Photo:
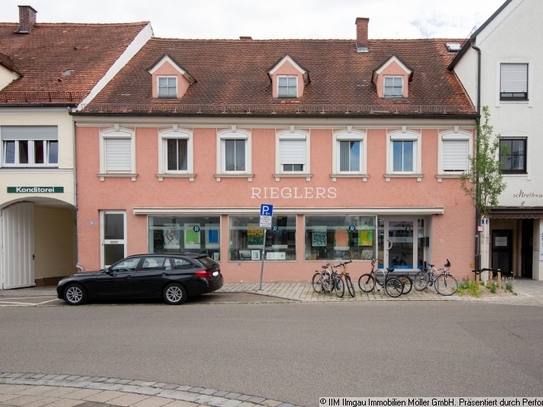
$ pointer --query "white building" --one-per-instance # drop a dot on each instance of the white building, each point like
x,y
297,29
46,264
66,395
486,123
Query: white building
x,y
501,67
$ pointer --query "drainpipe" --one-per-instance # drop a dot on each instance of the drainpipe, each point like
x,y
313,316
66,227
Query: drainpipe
x,y
477,187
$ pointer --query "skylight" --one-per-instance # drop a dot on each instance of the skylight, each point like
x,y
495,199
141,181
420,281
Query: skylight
x,y
453,46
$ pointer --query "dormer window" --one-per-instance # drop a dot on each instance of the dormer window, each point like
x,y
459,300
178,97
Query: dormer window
x,y
170,80
288,78
391,79
393,86
287,86
167,87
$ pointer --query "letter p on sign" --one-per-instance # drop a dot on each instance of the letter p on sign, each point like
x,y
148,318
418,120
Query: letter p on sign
x,y
266,210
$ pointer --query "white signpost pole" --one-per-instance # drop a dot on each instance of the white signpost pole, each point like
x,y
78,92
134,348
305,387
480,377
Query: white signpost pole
x,y
266,213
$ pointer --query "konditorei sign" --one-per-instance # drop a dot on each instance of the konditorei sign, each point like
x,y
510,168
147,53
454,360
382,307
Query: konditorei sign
x,y
35,190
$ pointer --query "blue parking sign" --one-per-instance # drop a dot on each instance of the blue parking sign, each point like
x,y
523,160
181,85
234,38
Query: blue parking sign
x,y
266,210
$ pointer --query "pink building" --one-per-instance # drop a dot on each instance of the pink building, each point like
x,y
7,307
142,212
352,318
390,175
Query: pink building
x,y
358,145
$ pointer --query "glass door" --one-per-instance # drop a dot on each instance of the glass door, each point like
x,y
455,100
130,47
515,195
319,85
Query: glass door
x,y
399,243
113,237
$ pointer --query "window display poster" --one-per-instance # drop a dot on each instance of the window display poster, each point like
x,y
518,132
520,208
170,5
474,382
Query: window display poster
x,y
342,238
212,236
365,237
192,238
172,236
255,235
318,237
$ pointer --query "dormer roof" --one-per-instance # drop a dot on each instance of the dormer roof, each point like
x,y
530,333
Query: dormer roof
x,y
287,59
168,60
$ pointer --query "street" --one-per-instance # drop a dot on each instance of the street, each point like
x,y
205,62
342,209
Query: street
x,y
288,351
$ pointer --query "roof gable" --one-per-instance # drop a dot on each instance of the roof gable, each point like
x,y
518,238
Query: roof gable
x,y
287,66
394,66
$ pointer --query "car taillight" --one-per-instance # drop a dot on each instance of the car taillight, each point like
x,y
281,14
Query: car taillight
x,y
203,274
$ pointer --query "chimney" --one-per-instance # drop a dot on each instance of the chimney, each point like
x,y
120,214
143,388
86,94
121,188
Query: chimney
x,y
362,34
27,19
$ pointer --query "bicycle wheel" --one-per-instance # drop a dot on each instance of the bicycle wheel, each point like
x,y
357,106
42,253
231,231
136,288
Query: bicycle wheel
x,y
316,282
446,284
349,284
421,280
407,283
366,283
394,287
340,287
326,281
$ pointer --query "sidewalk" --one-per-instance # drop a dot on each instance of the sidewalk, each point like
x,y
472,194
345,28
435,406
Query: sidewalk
x,y
32,389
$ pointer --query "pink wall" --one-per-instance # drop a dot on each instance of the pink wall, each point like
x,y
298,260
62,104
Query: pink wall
x,y
452,232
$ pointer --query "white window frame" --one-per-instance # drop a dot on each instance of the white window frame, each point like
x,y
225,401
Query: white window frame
x,y
233,134
30,135
457,140
348,136
394,86
122,241
117,134
530,84
404,135
177,134
169,88
298,137
288,86
513,79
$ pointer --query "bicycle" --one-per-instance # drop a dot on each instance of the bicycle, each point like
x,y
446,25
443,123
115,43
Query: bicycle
x,y
322,280
346,276
442,280
368,281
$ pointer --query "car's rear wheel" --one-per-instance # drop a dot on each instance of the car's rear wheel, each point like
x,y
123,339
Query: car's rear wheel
x,y
75,294
175,294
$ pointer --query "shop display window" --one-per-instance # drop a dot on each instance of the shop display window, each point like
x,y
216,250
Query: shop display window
x,y
340,237
247,239
194,234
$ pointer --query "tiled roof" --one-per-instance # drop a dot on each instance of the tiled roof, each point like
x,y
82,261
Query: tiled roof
x,y
231,77
61,62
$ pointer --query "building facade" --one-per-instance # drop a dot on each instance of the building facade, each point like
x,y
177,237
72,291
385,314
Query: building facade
x,y
505,53
357,144
44,72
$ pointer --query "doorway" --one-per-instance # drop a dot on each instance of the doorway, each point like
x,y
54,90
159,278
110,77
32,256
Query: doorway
x,y
502,250
113,237
401,243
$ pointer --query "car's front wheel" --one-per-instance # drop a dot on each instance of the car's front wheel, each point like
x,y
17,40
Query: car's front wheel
x,y
175,294
75,294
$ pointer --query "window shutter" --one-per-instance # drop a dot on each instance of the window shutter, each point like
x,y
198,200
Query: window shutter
x,y
293,151
514,78
455,155
118,155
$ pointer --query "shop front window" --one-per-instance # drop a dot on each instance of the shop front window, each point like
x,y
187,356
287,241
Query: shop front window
x,y
247,238
340,237
194,234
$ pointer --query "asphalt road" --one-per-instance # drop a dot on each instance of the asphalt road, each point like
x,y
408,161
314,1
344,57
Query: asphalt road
x,y
288,351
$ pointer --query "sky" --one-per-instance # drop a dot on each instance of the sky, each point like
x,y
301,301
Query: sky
x,y
272,19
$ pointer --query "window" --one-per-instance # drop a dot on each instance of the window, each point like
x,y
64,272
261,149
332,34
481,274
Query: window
x,y
287,86
514,82
404,153
513,155
29,146
293,153
234,152
340,237
393,86
247,238
175,152
180,233
402,156
167,87
349,154
454,153
117,152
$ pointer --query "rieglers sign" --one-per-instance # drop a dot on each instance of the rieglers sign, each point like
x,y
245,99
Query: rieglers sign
x,y
35,190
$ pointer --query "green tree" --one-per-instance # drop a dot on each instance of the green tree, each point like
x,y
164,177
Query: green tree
x,y
483,182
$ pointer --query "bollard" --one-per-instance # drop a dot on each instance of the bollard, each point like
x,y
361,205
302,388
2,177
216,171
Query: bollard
x,y
499,279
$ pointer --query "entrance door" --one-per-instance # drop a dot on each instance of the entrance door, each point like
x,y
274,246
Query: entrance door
x,y
527,250
113,237
18,242
398,243
502,250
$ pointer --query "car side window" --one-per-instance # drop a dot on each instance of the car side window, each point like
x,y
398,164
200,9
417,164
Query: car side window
x,y
153,263
181,264
127,264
